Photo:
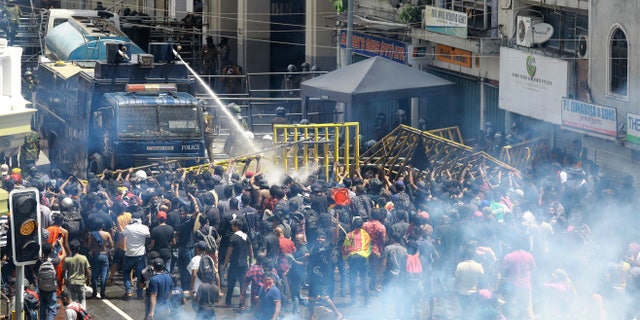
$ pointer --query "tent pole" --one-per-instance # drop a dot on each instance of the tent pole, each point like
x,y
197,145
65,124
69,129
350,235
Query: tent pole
x,y
415,112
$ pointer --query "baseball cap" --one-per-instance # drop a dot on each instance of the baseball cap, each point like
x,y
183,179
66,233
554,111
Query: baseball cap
x,y
158,264
162,215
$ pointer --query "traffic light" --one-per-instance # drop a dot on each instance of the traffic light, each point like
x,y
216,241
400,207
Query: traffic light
x,y
25,225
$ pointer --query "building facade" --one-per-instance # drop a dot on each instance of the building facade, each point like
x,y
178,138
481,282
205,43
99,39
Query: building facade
x,y
559,68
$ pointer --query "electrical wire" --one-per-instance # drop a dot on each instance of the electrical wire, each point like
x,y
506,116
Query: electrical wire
x,y
299,28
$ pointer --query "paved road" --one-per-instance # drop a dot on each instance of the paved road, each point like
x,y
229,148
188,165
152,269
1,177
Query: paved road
x,y
379,308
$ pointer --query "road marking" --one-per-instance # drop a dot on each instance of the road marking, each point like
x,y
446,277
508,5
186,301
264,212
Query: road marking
x,y
116,309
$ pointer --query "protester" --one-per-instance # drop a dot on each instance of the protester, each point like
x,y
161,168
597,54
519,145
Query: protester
x,y
237,259
160,292
73,309
356,249
135,234
47,284
77,269
100,242
269,299
523,226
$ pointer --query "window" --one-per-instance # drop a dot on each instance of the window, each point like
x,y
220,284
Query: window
x,y
619,63
166,121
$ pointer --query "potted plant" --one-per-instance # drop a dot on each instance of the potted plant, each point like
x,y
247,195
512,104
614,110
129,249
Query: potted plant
x,y
411,15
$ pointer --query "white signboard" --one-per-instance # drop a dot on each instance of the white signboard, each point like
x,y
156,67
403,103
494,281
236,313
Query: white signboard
x,y
453,23
633,128
532,85
589,117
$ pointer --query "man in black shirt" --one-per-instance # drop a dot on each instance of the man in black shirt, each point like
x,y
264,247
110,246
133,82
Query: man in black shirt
x,y
185,244
318,199
162,238
237,258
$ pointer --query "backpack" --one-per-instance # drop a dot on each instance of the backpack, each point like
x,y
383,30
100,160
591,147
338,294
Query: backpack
x,y
31,300
81,312
361,206
47,277
311,218
211,241
71,222
206,269
414,266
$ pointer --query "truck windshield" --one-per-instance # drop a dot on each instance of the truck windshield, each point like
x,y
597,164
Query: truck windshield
x,y
158,121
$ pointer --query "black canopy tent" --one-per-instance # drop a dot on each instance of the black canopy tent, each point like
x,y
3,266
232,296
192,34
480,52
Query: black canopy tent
x,y
373,79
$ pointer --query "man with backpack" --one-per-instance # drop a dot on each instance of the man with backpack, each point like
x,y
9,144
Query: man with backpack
x,y
207,296
72,219
47,284
73,309
203,267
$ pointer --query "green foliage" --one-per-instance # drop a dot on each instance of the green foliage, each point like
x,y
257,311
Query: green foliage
x,y
411,14
339,5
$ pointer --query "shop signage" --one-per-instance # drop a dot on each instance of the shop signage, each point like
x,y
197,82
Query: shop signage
x,y
532,85
589,117
453,55
453,23
371,46
633,128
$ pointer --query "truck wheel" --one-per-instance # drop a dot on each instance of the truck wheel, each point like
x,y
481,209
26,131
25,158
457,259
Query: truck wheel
x,y
96,165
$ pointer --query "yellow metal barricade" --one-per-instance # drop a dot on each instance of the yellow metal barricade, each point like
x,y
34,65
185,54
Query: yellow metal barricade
x,y
521,155
450,133
405,146
323,145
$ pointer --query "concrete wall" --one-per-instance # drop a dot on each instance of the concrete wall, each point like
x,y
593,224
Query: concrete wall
x,y
254,34
320,47
605,16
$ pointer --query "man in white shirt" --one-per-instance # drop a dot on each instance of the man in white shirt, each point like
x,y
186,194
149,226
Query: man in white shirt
x,y
135,234
200,252
73,310
467,281
194,264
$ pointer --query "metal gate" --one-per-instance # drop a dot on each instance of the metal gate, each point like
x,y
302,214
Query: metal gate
x,y
321,145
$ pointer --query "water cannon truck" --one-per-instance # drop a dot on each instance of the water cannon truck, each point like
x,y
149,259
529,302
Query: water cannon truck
x,y
103,103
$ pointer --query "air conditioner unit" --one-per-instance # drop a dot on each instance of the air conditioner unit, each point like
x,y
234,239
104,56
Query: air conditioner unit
x,y
583,46
524,34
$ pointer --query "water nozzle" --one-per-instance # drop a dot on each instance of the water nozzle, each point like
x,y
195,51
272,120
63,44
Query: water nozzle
x,y
175,53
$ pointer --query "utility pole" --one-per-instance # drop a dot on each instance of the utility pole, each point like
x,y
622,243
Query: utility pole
x,y
349,31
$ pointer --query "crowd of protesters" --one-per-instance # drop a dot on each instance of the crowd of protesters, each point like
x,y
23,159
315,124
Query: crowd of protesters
x,y
556,242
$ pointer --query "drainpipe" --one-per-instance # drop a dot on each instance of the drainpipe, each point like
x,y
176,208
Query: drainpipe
x,y
483,106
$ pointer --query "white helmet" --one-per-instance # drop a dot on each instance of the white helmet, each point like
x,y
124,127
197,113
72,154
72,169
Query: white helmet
x,y
141,174
67,203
